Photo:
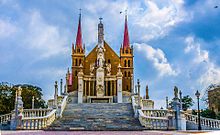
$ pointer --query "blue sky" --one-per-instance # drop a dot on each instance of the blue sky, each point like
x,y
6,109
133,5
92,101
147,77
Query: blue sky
x,y
176,42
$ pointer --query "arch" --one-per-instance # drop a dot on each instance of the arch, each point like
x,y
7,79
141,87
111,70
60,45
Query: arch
x,y
125,73
109,61
129,74
125,63
80,61
129,63
76,73
76,62
126,51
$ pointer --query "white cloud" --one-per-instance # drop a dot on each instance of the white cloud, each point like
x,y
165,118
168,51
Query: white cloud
x,y
158,58
43,37
211,76
6,28
157,18
211,72
192,46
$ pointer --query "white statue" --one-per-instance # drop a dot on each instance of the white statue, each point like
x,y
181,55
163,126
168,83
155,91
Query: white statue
x,y
100,57
92,67
108,68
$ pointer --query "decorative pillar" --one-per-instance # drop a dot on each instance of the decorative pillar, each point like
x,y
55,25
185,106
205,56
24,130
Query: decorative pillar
x,y
139,98
167,103
85,90
106,88
119,85
61,86
147,93
32,102
55,94
132,84
180,122
110,88
89,89
17,113
181,105
80,86
115,87
93,88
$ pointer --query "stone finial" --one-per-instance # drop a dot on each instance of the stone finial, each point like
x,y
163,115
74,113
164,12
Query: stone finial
x,y
19,91
32,102
147,93
175,92
167,102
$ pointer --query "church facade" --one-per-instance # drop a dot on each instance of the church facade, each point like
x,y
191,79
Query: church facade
x,y
102,75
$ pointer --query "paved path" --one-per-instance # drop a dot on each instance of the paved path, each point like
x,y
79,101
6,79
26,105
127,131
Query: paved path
x,y
40,132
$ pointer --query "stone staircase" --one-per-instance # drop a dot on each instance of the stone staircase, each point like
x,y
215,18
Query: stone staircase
x,y
97,116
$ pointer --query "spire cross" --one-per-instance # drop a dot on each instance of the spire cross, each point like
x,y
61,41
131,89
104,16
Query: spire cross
x,y
100,18
80,11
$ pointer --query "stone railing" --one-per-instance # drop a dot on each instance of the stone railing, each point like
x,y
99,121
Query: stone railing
x,y
62,106
40,122
155,113
207,122
36,112
150,122
5,118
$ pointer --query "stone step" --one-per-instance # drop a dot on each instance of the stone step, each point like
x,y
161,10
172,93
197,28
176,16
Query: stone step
x,y
97,116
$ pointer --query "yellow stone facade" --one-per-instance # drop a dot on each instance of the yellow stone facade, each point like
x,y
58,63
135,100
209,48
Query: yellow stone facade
x,y
113,64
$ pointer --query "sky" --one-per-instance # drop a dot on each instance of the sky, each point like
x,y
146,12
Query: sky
x,y
176,42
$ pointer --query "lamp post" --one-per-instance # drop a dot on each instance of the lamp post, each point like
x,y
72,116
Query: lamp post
x,y
197,95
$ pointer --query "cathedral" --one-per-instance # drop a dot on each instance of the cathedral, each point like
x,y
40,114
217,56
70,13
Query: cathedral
x,y
101,76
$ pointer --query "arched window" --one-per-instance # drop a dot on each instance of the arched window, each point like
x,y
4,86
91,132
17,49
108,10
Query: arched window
x,y
125,63
126,51
127,87
78,50
129,74
125,73
128,63
76,63
76,73
109,61
80,61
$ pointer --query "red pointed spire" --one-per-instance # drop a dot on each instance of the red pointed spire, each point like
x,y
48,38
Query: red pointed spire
x,y
79,34
126,35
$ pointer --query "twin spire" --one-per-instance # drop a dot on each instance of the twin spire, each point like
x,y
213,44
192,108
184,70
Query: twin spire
x,y
126,43
79,44
79,34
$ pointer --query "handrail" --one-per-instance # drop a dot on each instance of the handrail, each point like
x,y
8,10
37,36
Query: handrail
x,y
160,123
208,122
39,122
41,117
62,106
5,118
35,112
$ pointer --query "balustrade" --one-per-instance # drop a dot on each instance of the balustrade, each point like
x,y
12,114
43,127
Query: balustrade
x,y
36,112
39,122
155,113
5,118
151,122
212,123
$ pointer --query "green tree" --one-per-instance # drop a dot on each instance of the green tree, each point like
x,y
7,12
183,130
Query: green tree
x,y
218,116
207,113
7,97
187,102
